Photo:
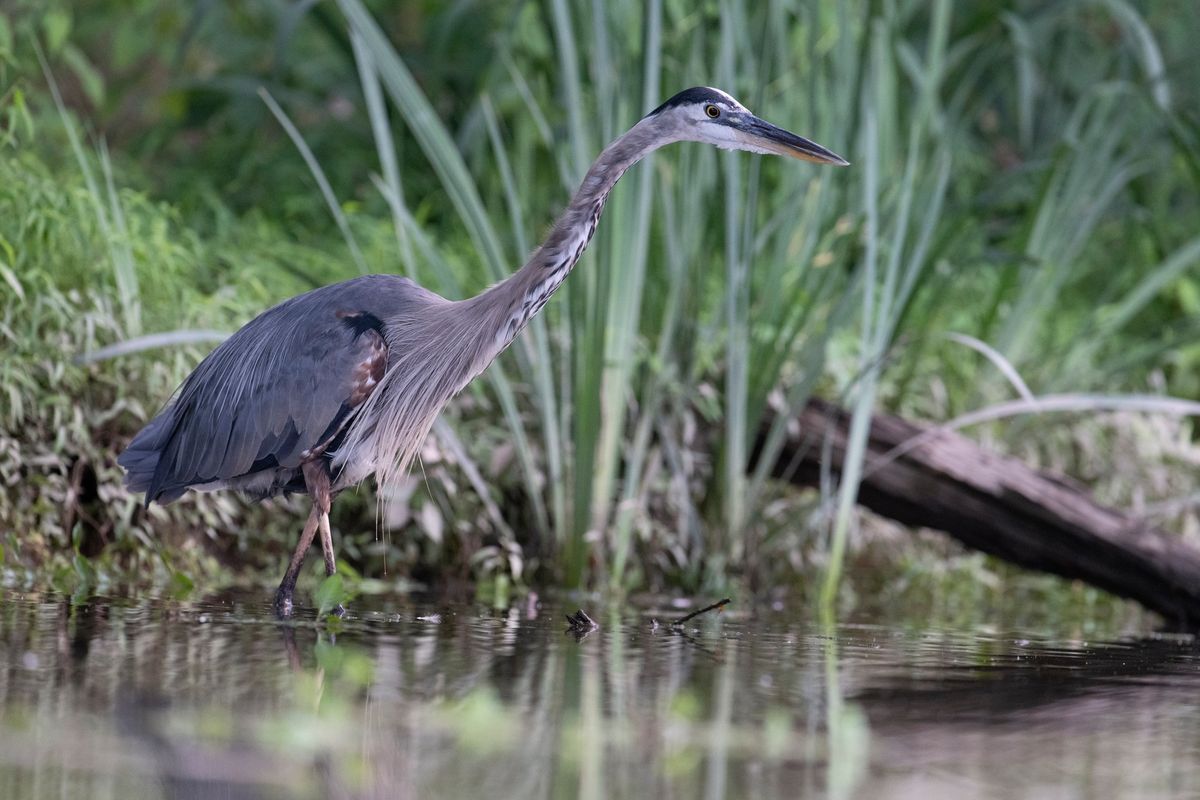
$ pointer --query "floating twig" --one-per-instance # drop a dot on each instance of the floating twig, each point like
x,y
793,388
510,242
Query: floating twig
x,y
717,606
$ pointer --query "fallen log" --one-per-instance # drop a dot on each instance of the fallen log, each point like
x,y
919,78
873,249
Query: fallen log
x,y
1002,506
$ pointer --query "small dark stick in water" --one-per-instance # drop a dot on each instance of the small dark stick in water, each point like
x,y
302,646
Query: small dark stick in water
x,y
580,625
717,606
580,621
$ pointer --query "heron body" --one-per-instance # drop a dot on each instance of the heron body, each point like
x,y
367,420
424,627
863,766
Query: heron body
x,y
344,382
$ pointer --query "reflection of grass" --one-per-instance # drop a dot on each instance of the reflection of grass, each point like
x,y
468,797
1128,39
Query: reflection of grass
x,y
484,727
478,733
484,704
479,723
578,738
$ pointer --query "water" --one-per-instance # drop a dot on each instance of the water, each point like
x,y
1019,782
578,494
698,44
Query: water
x,y
153,698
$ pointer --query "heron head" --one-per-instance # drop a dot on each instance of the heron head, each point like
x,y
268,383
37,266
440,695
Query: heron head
x,y
702,114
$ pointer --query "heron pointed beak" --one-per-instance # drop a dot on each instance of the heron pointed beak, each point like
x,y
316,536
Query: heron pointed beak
x,y
774,139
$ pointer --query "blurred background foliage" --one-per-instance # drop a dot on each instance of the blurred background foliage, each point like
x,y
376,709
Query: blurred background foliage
x,y
1024,174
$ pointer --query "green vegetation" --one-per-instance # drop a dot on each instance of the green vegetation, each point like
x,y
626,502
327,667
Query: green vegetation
x,y
1025,175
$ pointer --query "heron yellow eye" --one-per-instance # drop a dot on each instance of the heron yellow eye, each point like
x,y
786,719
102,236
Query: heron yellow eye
x,y
712,111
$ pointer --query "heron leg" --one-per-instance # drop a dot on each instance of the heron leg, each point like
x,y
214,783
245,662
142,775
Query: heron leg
x,y
316,477
287,587
330,558
327,545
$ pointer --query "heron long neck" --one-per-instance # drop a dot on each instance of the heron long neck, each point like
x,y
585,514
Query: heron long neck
x,y
434,353
523,294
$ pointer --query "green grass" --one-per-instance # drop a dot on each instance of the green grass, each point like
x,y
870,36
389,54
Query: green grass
x,y
1024,182
619,341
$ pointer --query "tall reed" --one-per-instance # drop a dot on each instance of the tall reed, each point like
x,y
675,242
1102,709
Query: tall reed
x,y
717,285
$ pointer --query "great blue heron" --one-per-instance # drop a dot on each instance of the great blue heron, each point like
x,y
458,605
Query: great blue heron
x,y
327,388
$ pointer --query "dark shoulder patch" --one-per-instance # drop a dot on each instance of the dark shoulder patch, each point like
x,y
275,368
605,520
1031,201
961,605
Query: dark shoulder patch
x,y
360,322
696,94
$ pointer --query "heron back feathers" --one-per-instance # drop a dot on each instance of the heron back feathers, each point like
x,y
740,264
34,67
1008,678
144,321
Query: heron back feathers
x,y
276,393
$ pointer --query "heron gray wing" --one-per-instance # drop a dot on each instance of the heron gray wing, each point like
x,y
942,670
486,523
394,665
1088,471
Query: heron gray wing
x,y
274,394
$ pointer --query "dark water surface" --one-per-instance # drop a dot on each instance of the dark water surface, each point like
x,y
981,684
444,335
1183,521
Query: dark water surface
x,y
215,699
